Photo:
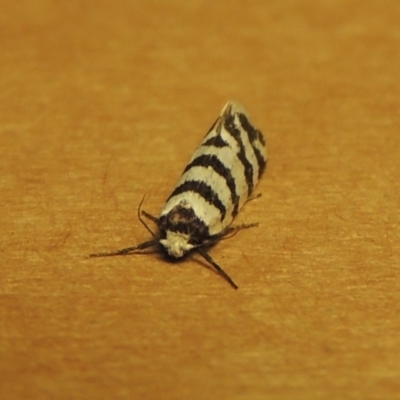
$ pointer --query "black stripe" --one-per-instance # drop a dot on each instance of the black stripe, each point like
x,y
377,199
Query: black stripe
x,y
204,191
232,129
211,160
215,141
183,220
262,163
260,137
254,136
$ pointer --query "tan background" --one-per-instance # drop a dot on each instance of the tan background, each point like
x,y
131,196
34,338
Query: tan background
x,y
102,102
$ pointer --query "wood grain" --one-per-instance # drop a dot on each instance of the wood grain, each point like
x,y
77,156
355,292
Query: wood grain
x,y
103,102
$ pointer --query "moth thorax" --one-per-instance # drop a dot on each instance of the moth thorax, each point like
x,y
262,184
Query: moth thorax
x,y
176,244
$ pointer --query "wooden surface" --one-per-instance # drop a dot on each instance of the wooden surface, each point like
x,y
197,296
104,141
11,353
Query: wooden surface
x,y
103,102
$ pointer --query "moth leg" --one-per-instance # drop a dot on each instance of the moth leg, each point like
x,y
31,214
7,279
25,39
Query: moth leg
x,y
227,233
231,231
127,250
253,196
217,268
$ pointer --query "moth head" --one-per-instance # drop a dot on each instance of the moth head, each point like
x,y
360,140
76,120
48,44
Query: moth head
x,y
176,244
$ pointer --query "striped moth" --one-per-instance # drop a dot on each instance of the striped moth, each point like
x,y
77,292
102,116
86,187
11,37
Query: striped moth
x,y
218,180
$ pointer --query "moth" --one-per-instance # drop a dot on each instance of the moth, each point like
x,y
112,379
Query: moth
x,y
214,186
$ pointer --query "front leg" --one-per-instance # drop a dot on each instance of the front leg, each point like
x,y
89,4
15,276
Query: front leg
x,y
227,233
